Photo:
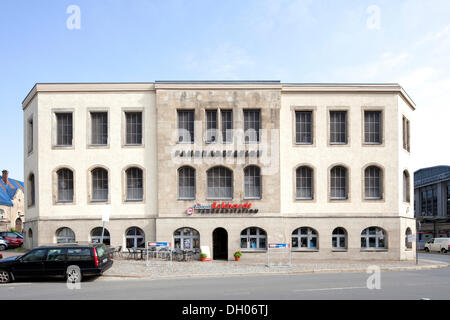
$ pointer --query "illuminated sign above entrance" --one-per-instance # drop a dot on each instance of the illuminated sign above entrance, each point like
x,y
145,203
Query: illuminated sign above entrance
x,y
222,207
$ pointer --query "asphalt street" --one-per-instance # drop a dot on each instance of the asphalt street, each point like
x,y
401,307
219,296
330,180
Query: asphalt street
x,y
421,284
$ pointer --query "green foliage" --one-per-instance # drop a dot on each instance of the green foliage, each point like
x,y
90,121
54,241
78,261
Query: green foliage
x,y
14,230
203,255
238,254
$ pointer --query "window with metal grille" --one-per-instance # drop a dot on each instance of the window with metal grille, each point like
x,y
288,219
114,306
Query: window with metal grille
x,y
185,126
186,183
211,126
304,238
338,127
339,238
186,239
64,130
99,184
99,128
65,235
338,183
133,128
252,126
372,127
304,183
65,185
219,183
252,182
135,189
303,127
253,239
227,126
373,238
373,183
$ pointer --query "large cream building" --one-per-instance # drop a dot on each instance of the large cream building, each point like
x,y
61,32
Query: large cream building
x,y
225,164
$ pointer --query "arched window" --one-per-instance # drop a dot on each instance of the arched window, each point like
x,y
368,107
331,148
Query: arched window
x,y
65,185
305,238
373,238
30,233
31,193
219,183
186,183
338,183
253,239
99,185
18,225
135,238
65,235
96,236
373,181
135,184
304,183
408,243
339,239
252,182
406,186
186,239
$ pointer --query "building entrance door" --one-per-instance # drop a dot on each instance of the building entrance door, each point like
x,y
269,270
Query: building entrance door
x,y
220,244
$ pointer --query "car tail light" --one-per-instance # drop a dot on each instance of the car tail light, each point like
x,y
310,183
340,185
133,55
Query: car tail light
x,y
95,257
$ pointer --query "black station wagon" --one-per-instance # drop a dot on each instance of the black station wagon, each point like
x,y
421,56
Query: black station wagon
x,y
72,261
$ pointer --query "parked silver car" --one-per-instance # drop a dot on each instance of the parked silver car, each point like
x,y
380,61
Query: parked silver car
x,y
4,244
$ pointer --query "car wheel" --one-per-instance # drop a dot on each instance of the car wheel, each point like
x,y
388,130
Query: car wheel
x,y
2,247
5,277
73,274
443,250
427,250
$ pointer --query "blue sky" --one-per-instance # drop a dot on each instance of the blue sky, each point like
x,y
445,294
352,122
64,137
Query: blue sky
x,y
292,41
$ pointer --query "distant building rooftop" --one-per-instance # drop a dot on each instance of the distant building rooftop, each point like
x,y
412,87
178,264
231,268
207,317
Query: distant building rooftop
x,y
431,175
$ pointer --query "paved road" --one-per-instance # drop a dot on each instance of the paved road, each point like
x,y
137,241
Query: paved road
x,y
436,256
431,284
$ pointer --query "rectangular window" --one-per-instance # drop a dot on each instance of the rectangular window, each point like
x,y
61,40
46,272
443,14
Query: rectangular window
x,y
338,127
372,127
99,128
64,129
185,126
30,135
252,125
133,128
211,126
303,127
406,134
227,126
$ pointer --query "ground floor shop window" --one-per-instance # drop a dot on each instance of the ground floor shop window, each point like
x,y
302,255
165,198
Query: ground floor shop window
x,y
304,238
186,239
339,239
253,239
373,238
65,235
96,236
135,238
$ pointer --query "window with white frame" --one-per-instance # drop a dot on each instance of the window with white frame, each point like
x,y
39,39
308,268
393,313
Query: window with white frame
x,y
252,125
338,127
338,183
135,184
373,238
96,236
99,128
219,183
135,238
253,238
373,181
186,239
186,183
65,235
305,238
64,129
339,239
99,185
252,182
65,185
304,183
372,127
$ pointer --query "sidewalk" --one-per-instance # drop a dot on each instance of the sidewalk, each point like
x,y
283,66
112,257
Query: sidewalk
x,y
138,269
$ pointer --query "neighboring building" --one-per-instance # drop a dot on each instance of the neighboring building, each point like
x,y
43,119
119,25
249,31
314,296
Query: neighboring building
x,y
12,214
323,167
432,202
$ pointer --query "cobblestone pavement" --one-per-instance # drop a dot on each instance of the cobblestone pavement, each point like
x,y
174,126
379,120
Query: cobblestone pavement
x,y
162,269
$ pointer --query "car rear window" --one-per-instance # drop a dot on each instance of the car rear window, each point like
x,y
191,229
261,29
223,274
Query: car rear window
x,y
102,251
78,254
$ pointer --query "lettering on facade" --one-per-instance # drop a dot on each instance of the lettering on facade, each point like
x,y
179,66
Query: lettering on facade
x,y
222,207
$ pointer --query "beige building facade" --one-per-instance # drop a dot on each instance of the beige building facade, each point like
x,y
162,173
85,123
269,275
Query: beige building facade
x,y
229,165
